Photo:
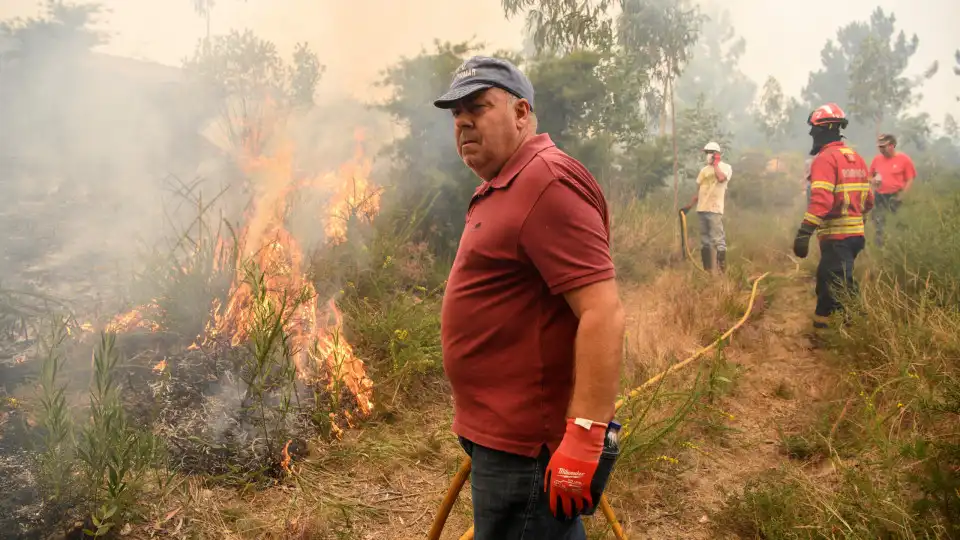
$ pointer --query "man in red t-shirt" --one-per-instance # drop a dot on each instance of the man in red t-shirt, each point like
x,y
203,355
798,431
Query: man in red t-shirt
x,y
532,326
891,175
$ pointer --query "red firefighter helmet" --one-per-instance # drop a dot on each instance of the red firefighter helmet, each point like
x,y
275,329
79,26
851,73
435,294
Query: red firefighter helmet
x,y
824,115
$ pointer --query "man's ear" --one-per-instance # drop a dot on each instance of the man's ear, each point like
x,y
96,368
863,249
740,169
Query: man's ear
x,y
522,109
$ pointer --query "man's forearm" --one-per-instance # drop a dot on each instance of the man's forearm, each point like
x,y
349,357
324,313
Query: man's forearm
x,y
599,353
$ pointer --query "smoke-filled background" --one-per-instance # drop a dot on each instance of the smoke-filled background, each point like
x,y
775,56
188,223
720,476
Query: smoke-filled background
x,y
257,195
103,130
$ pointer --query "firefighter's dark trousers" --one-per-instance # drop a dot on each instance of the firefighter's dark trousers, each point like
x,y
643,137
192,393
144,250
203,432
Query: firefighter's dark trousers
x,y
835,274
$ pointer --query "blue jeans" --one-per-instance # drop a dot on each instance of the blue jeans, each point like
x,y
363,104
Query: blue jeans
x,y
508,498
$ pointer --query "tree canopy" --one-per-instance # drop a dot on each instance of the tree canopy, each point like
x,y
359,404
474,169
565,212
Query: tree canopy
x,y
63,28
561,26
866,71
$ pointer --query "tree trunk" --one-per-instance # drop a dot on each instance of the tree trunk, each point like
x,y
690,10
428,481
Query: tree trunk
x,y
207,40
676,155
663,109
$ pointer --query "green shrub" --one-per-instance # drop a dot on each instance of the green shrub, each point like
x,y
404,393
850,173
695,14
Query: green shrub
x,y
115,455
56,425
400,334
194,265
390,288
788,504
268,369
920,244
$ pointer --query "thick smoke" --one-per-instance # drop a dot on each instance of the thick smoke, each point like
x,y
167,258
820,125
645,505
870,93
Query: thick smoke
x,y
85,144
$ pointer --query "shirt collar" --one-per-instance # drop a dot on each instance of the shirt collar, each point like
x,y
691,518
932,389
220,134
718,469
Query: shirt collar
x,y
832,144
520,159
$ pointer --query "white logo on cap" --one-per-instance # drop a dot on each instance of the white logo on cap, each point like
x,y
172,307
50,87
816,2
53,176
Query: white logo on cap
x,y
463,73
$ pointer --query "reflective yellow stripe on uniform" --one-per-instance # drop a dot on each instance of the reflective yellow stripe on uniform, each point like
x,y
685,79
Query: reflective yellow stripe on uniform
x,y
842,225
822,184
812,219
851,230
842,221
854,187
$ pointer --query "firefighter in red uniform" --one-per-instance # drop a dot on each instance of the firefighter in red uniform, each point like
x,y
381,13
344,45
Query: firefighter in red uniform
x,y
840,197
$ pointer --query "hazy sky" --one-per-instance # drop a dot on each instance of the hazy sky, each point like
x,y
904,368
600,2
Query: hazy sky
x,y
356,39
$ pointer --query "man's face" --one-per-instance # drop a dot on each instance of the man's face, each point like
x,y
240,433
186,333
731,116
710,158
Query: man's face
x,y
887,149
709,156
489,129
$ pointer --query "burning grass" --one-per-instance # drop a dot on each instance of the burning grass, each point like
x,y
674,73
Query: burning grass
x,y
227,369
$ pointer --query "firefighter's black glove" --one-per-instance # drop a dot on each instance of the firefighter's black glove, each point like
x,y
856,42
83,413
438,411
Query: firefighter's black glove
x,y
801,244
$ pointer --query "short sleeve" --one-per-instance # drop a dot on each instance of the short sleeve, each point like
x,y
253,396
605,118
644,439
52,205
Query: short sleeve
x,y
727,170
566,238
700,176
911,171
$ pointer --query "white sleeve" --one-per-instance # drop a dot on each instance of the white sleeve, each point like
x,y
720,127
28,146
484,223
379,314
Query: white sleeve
x,y
727,170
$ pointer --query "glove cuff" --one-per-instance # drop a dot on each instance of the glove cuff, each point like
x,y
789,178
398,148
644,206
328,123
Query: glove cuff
x,y
807,228
582,442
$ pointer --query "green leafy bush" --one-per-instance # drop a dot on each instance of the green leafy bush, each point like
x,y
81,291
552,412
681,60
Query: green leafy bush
x,y
919,244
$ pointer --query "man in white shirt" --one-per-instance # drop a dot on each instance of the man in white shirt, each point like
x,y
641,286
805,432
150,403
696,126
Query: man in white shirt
x,y
712,182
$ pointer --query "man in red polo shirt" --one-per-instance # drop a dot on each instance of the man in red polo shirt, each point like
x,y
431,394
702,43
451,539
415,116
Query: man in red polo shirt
x,y
532,326
891,174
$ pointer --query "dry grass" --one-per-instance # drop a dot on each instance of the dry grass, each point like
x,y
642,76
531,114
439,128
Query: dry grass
x,y
381,477
390,474
717,427
675,315
880,457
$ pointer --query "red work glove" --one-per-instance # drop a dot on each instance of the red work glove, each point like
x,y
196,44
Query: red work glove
x,y
716,159
571,468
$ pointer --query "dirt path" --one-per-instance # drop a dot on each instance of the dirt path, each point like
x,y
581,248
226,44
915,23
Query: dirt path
x,y
779,380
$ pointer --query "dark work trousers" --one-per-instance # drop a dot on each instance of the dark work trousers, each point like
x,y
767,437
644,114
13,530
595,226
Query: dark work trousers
x,y
508,498
885,205
835,273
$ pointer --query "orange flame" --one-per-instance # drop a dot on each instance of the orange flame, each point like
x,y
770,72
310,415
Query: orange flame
x,y
286,460
138,318
320,349
353,193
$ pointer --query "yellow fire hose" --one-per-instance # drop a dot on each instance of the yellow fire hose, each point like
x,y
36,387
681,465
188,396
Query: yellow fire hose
x,y
460,478
684,244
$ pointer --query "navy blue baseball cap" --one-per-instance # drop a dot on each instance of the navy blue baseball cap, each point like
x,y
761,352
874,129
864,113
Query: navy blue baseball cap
x,y
483,72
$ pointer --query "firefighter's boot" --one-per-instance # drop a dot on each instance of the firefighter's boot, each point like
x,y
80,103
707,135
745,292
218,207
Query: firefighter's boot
x,y
722,261
706,255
